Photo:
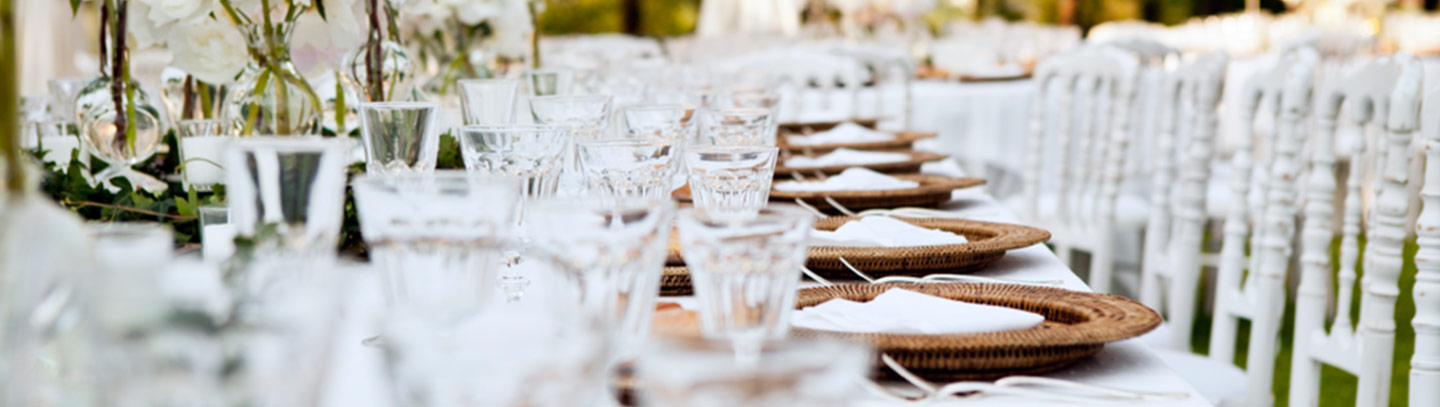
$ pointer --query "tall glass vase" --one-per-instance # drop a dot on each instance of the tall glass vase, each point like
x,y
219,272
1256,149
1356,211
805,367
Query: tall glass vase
x,y
397,74
95,111
272,96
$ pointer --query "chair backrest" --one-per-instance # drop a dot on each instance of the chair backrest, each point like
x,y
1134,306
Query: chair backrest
x,y
1095,88
1188,118
1156,65
1261,297
1425,364
1384,92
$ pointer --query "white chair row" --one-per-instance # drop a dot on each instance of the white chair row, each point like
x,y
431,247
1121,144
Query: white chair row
x,y
1382,94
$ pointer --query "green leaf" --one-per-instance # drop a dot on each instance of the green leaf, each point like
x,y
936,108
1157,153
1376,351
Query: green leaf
x,y
184,206
319,8
74,7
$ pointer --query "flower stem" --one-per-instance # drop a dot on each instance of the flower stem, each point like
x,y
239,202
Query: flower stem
x,y
9,95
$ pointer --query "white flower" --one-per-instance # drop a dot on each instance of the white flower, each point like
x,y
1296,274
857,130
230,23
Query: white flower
x,y
211,51
474,12
151,21
424,17
315,47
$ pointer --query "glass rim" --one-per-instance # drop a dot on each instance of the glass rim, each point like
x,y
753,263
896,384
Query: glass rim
x,y
623,142
650,107
731,148
738,111
514,127
398,105
290,143
128,229
183,121
488,81
621,202
437,175
768,214
607,99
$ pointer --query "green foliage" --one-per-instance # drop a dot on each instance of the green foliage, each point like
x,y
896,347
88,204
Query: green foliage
x,y
75,6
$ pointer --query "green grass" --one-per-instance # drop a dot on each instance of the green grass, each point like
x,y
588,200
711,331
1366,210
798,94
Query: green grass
x,y
1337,387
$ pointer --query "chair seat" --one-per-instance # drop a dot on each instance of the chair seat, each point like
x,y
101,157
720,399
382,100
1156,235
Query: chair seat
x,y
1220,383
1131,211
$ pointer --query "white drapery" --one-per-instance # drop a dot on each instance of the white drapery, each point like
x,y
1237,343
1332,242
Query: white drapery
x,y
48,43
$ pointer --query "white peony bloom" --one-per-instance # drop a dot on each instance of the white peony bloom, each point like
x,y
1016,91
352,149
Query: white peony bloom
x,y
512,30
150,21
182,11
425,17
316,49
211,51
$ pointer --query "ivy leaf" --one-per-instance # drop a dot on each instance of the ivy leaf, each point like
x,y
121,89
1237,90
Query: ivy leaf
x,y
184,206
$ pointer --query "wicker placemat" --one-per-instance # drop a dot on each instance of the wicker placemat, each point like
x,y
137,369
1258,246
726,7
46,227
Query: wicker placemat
x,y
902,140
933,191
988,242
676,282
1077,325
912,165
802,127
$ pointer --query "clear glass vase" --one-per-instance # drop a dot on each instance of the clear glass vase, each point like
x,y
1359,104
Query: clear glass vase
x,y
187,98
96,112
272,97
397,74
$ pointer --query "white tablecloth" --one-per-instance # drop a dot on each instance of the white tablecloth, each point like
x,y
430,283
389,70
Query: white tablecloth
x,y
1130,365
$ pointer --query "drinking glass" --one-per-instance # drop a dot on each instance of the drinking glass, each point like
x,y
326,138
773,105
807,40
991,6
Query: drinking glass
x,y
507,357
137,354
217,235
745,270
548,82
63,92
399,136
531,152
730,180
488,101
286,352
615,251
60,142
584,115
437,239
670,123
202,151
786,373
129,258
287,195
629,168
737,127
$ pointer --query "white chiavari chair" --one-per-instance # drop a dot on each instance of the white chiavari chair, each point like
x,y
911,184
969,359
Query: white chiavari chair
x,y
1188,120
1425,364
1384,92
1259,294
1095,88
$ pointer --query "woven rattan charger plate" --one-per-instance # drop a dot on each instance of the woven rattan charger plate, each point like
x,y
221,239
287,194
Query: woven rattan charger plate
x,y
988,242
675,282
902,140
1077,325
802,127
917,158
933,191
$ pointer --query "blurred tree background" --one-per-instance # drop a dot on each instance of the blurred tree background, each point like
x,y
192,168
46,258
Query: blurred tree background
x,y
677,17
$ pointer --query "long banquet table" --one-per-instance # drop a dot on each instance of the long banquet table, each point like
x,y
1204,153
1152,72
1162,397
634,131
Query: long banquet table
x,y
359,378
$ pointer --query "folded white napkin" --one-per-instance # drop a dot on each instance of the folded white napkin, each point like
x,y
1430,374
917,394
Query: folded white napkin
x,y
852,179
841,134
900,311
845,156
883,231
